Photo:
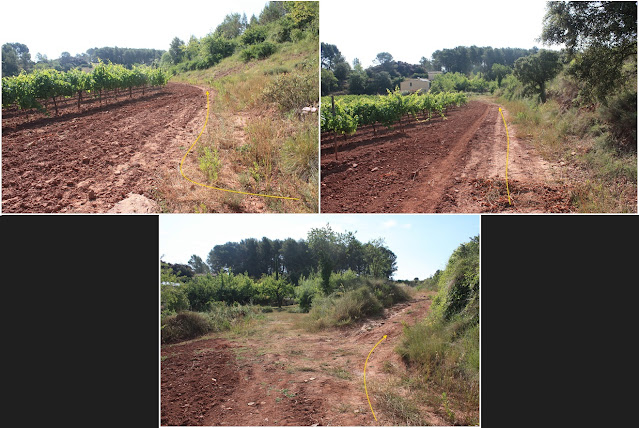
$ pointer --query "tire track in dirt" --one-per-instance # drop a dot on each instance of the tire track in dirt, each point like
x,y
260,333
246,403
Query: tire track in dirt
x,y
283,375
479,184
431,190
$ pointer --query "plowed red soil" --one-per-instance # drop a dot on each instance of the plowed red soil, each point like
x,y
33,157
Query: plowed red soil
x,y
455,164
280,374
88,161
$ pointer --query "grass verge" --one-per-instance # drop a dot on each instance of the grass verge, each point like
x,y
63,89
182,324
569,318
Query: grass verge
x,y
603,176
257,140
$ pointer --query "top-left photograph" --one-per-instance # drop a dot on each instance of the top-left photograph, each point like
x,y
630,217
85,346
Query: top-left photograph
x,y
208,107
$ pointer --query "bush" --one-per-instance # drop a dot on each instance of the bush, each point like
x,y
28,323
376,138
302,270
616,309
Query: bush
x,y
621,116
459,283
184,326
343,280
293,90
255,34
258,51
173,299
366,298
355,305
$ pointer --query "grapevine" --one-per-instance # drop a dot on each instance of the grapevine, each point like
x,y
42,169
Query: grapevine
x,y
28,91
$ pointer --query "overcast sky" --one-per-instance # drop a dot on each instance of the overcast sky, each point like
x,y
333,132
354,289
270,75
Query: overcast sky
x,y
52,27
409,30
423,243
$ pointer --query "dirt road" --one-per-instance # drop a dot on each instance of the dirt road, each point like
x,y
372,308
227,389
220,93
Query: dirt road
x,y
455,164
279,374
88,161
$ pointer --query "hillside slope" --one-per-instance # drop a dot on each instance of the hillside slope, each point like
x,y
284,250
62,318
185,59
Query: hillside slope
x,y
257,140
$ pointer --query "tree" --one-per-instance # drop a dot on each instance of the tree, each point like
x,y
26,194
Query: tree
x,y
176,50
329,81
381,261
357,79
426,64
192,50
233,25
500,71
341,72
9,61
302,13
214,48
15,58
535,70
382,58
198,266
599,38
273,11
323,242
296,259
379,83
330,56
275,288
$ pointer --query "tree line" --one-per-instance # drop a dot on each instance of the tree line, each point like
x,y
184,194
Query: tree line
x,y
386,73
16,58
323,252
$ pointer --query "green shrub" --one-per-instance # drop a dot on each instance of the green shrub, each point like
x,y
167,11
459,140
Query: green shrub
x,y
355,305
621,116
210,163
459,283
258,51
173,299
343,280
293,90
364,297
254,34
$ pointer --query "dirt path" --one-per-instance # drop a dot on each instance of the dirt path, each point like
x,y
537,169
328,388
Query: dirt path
x,y
279,374
90,160
452,165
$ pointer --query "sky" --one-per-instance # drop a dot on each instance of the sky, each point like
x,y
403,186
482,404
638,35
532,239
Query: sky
x,y
410,30
52,27
422,243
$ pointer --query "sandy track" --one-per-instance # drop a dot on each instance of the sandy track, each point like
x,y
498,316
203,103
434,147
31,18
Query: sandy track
x,y
452,165
88,161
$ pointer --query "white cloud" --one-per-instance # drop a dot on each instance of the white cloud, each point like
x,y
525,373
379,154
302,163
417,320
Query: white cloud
x,y
389,223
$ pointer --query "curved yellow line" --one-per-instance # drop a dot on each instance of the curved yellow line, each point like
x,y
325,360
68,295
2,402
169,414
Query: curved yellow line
x,y
507,148
366,362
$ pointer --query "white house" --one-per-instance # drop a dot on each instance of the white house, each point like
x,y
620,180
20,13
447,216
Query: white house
x,y
411,85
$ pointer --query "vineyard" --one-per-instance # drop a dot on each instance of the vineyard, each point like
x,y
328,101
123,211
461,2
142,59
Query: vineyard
x,y
33,90
350,111
344,115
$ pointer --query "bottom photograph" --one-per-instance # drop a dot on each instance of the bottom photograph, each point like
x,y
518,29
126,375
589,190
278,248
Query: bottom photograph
x,y
319,319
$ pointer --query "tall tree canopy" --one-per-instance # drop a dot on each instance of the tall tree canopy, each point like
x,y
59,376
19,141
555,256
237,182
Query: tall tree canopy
x,y
599,38
535,70
324,251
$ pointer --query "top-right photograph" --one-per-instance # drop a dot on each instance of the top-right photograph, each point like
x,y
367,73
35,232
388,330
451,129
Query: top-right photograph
x,y
478,107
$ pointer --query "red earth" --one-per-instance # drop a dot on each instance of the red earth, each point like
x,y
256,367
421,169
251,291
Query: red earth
x,y
456,164
275,373
87,161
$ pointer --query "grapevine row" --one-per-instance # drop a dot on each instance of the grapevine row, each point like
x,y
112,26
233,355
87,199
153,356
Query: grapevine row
x,y
28,91
353,111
